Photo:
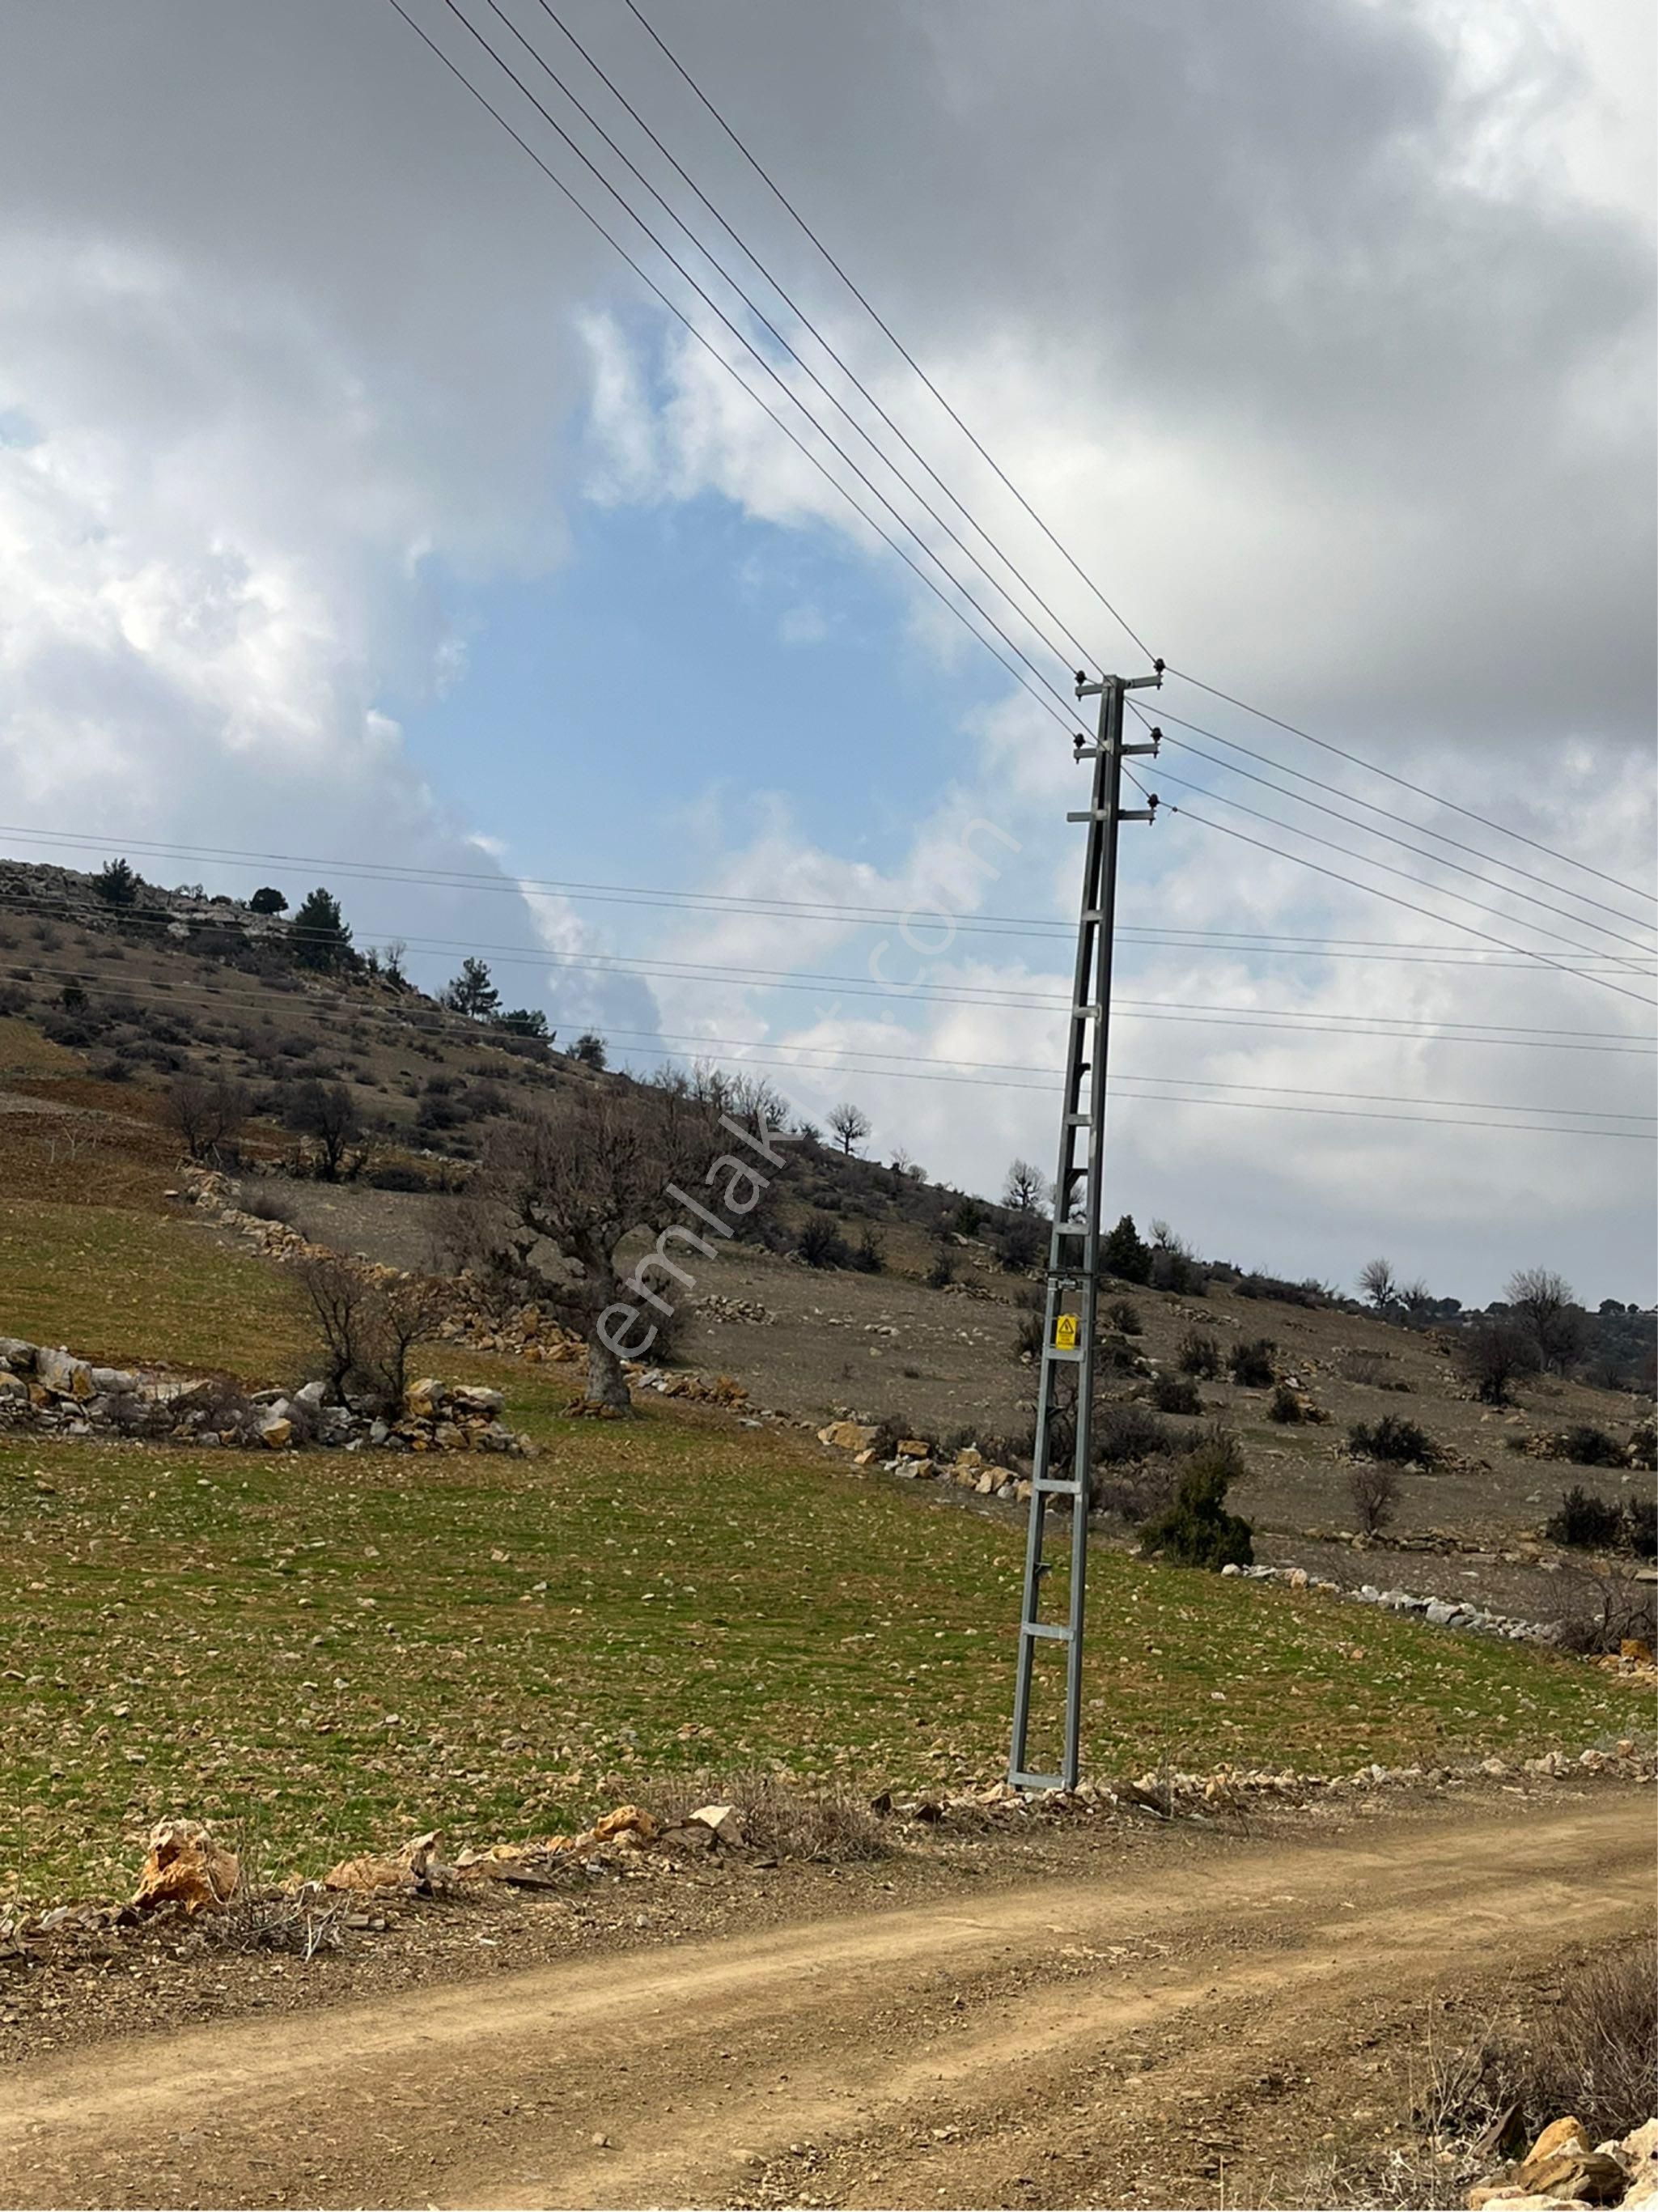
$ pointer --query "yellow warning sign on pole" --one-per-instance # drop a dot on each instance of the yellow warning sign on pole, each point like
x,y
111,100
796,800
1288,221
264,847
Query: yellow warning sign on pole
x,y
1065,1332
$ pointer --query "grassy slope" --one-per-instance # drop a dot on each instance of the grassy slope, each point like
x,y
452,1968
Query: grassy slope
x,y
322,1652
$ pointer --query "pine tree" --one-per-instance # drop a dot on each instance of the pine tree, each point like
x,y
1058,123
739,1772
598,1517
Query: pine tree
x,y
1125,1253
117,883
472,994
320,937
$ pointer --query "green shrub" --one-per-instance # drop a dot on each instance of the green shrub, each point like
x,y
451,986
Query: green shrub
x,y
1198,1354
1587,1446
1176,1393
1128,1432
1286,1406
1641,1526
1124,1314
1251,1362
1584,1522
1399,1442
1197,1530
821,1245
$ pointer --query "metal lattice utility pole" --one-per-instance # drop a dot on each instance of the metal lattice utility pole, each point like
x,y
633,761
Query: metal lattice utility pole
x,y
1073,1248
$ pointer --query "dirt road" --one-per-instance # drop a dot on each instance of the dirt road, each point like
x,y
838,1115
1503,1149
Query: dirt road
x,y
1025,2046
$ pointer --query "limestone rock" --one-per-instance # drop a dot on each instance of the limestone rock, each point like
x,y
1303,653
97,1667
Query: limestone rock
x,y
720,1821
416,1866
914,1448
186,1867
848,1435
61,1371
1561,2135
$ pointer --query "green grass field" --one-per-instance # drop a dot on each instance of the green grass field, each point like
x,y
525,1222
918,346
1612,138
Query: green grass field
x,y
322,1652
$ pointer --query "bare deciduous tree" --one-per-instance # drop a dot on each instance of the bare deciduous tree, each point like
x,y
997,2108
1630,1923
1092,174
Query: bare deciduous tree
x,y
851,1126
1025,1188
323,1111
1492,1353
369,1327
1547,1304
1374,1489
206,1111
560,1193
1376,1280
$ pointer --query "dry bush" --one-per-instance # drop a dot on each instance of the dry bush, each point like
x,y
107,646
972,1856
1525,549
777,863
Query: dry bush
x,y
783,1819
1373,1490
1601,1608
368,1328
1595,2054
308,1921
1136,1494
1198,1354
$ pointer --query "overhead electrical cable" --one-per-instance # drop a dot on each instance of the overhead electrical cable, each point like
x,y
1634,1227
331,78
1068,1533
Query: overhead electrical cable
x,y
1117,614
484,100
1061,714
1437,798
808,324
1248,1020
1168,1092
717,903
743,339
1340,791
1604,981
1075,566
846,1054
1233,944
1434,860
1073,644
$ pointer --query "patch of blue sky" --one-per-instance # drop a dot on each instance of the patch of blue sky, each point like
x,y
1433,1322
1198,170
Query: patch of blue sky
x,y
635,714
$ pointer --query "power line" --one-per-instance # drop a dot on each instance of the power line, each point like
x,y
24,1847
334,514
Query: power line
x,y
1248,1019
1169,1089
999,552
797,311
744,340
1434,860
740,1045
1064,551
1024,582
729,367
1405,784
1064,719
891,336
771,906
1238,944
1605,983
1337,790
1113,1084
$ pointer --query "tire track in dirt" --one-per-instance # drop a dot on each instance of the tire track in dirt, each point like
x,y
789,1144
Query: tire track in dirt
x,y
702,2065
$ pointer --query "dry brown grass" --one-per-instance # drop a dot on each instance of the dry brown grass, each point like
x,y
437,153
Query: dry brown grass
x,y
1594,2054
784,1820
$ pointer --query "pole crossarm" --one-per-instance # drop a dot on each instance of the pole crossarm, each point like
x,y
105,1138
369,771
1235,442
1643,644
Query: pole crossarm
x,y
1064,1395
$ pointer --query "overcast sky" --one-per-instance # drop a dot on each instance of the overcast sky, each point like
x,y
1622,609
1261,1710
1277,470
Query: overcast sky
x,y
357,501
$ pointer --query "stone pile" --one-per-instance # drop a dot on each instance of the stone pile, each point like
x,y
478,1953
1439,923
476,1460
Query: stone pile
x,y
50,1392
716,1307
1438,1611
914,1458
